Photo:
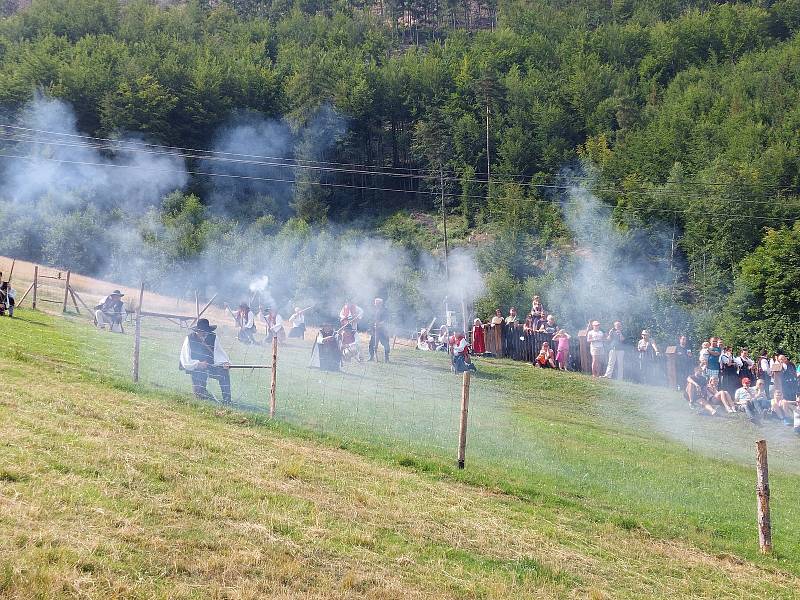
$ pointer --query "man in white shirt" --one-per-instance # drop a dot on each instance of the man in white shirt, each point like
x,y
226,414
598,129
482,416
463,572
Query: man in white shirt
x,y
298,323
202,357
245,321
110,312
274,323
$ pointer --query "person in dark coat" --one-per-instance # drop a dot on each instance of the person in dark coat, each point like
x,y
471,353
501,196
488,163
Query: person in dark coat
x,y
380,331
203,357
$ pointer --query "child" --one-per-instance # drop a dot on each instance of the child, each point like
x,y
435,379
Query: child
x,y
562,350
546,358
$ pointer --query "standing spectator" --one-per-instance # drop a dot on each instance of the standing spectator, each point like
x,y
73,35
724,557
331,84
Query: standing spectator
x,y
648,352
763,370
497,319
728,371
745,366
714,352
595,339
562,352
788,377
478,341
548,326
616,351
537,311
509,332
527,327
683,360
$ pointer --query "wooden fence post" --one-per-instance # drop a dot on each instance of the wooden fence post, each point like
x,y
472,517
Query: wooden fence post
x,y
462,429
274,376
762,491
583,351
35,284
137,336
672,367
66,293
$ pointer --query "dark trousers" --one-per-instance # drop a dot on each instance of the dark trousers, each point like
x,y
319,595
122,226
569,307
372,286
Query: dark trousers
x,y
200,379
379,336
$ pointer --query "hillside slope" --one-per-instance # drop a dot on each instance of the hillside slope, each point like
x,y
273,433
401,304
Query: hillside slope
x,y
108,492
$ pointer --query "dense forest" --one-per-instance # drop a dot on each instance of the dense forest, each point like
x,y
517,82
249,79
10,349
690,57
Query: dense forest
x,y
680,118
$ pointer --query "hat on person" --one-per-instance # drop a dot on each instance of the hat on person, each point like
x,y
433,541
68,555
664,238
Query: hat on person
x,y
645,332
203,325
243,305
116,293
745,381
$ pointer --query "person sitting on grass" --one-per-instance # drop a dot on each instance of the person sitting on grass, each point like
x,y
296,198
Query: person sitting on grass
x,y
546,359
761,398
746,400
718,397
202,357
461,359
782,408
562,350
110,312
696,389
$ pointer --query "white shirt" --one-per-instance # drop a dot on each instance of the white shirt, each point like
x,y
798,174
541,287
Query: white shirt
x,y
249,322
189,364
460,347
595,339
297,319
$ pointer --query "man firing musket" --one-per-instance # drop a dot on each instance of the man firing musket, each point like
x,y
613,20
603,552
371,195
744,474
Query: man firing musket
x,y
274,323
110,312
245,322
298,322
202,357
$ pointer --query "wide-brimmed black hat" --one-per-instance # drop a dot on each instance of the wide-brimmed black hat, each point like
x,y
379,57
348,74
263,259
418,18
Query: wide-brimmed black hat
x,y
203,325
116,293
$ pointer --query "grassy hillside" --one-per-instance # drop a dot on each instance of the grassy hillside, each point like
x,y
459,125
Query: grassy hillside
x,y
573,488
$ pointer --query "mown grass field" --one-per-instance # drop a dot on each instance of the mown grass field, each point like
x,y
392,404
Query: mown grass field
x,y
573,488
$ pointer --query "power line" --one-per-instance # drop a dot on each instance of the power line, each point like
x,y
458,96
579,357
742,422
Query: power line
x,y
658,210
362,169
561,187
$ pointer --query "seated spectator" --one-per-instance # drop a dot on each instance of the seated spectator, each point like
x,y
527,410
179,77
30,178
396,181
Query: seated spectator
x,y
562,350
497,319
696,385
746,400
546,358
548,326
478,339
717,397
782,408
762,398
461,360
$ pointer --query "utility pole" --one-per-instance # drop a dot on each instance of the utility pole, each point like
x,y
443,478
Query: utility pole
x,y
444,227
488,158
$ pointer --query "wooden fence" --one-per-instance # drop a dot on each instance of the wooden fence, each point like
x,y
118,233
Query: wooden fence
x,y
512,341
